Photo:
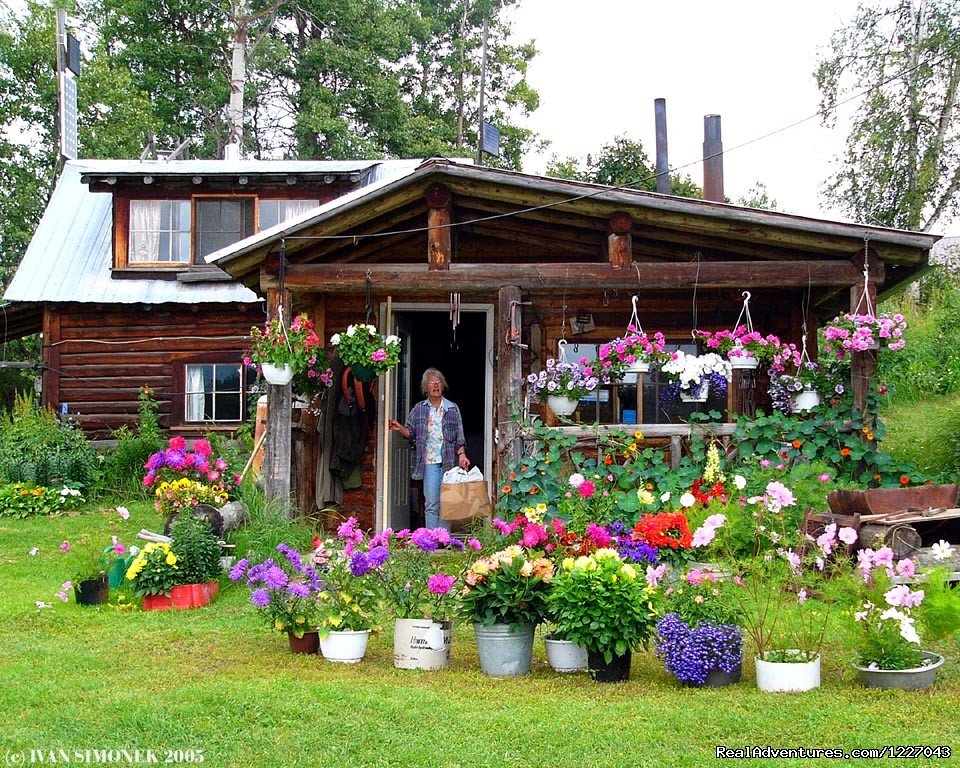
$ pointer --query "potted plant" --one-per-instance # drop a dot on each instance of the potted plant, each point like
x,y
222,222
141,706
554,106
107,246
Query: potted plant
x,y
852,332
692,377
563,384
153,573
420,595
634,352
282,351
285,591
742,347
366,352
92,569
891,613
350,593
210,479
602,603
804,389
699,639
199,561
505,596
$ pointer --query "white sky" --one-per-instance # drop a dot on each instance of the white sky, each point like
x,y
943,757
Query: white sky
x,y
602,63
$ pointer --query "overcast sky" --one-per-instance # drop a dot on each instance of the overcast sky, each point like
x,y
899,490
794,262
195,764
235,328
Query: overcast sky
x,y
602,63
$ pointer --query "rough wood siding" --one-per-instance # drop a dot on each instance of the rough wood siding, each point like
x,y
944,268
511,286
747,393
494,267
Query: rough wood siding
x,y
106,354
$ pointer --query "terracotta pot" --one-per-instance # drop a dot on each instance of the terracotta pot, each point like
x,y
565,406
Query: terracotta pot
x,y
309,643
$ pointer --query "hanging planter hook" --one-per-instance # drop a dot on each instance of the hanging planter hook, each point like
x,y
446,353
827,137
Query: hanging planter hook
x,y
745,313
634,323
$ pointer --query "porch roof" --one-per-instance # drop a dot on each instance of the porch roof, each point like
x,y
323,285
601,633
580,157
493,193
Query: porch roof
x,y
523,220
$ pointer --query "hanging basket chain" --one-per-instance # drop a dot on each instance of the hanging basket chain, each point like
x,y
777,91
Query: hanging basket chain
x,y
865,296
368,280
634,318
745,313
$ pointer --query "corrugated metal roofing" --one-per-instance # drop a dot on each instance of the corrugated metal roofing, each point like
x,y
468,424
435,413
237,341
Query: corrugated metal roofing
x,y
70,255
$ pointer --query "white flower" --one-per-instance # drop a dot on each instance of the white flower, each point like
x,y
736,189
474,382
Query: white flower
x,y
740,481
665,497
941,550
35,551
40,604
392,340
576,480
687,500
124,513
907,631
372,330
351,330
335,339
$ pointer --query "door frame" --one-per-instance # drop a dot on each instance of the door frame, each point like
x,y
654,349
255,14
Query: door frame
x,y
381,513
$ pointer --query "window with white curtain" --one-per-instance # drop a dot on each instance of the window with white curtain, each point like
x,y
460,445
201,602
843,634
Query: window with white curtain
x,y
273,212
213,392
159,231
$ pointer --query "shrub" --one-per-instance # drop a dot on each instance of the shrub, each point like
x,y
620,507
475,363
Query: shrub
x,y
24,499
124,465
37,446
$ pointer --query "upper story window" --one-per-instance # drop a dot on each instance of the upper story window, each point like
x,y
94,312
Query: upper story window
x,y
160,231
183,232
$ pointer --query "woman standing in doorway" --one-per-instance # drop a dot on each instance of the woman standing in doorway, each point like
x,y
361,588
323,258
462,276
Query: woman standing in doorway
x,y
435,429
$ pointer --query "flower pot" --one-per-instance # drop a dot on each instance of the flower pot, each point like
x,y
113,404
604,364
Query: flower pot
x,y
697,393
777,677
157,603
277,374
717,678
916,679
806,400
363,373
617,671
345,647
565,655
309,643
92,591
562,406
421,644
638,367
503,651
744,363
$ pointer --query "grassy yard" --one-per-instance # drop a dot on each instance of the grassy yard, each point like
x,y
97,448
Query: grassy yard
x,y
216,680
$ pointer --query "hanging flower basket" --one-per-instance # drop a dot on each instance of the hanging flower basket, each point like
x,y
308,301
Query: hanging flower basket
x,y
277,374
697,393
559,379
693,376
277,347
362,345
850,332
562,406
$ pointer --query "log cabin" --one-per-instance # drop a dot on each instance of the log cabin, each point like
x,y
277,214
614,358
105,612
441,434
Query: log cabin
x,y
483,272
115,279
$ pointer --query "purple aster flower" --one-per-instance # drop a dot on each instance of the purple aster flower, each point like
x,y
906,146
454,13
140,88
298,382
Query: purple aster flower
x,y
275,578
425,539
360,564
260,598
440,583
457,545
239,570
293,557
176,459
298,590
155,461
378,556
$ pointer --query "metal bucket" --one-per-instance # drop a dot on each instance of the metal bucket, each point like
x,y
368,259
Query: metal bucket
x,y
503,651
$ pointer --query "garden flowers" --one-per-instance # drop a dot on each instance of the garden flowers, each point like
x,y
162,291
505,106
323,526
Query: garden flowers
x,y
851,332
562,379
362,345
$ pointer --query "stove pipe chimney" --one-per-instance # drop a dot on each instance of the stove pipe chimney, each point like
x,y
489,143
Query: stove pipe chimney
x,y
712,159
663,167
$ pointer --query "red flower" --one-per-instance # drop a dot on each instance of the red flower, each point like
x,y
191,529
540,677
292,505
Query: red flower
x,y
844,451
608,460
904,480
664,530
796,443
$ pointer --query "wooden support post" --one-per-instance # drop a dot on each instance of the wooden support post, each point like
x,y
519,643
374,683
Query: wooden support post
x,y
676,451
439,217
276,464
51,356
863,365
620,241
509,376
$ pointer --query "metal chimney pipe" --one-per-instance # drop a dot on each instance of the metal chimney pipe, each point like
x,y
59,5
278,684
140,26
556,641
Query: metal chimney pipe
x,y
663,167
712,159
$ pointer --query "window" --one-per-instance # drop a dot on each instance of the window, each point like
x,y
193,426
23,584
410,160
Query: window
x,y
213,392
222,222
159,231
617,404
273,212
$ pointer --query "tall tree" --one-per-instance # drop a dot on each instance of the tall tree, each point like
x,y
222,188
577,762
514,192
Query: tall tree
x,y
621,163
901,165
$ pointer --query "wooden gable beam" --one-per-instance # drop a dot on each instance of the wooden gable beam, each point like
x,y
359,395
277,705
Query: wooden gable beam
x,y
349,278
439,218
619,240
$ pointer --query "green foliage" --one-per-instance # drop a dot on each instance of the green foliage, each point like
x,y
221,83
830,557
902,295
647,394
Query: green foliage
x,y
197,550
940,610
36,446
124,466
267,526
25,499
901,156
155,570
601,603
701,598
621,163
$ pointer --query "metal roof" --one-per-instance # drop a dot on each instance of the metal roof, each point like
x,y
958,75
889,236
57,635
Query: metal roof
x,y
70,256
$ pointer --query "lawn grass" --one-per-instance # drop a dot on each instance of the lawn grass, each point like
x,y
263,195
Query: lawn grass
x,y
924,433
216,680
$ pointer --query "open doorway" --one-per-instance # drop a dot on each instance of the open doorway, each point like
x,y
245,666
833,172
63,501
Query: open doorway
x,y
465,357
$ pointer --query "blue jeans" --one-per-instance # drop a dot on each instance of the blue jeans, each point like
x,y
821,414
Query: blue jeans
x,y
432,478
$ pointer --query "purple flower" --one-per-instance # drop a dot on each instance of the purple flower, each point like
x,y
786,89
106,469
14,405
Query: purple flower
x,y
260,598
440,583
360,564
239,570
275,578
293,557
155,461
690,654
298,590
378,556
175,459
425,539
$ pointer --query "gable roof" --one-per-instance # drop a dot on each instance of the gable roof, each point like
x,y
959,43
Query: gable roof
x,y
70,256
555,213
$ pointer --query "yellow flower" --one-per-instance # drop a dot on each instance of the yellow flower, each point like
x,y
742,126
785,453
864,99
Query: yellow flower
x,y
628,571
644,496
346,598
541,508
171,559
279,625
638,435
568,563
513,551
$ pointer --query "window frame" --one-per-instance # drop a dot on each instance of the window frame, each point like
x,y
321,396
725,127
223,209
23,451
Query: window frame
x,y
179,377
195,218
